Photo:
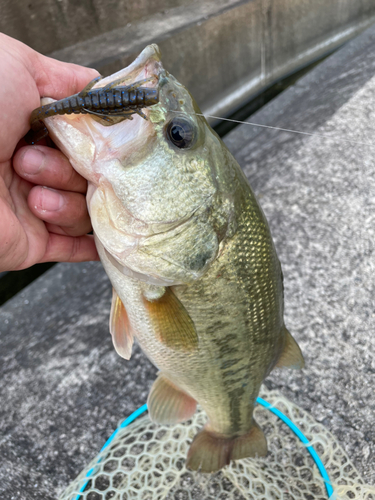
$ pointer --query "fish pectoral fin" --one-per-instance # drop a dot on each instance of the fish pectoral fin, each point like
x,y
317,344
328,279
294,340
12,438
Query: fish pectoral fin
x,y
291,356
210,452
120,328
168,404
171,322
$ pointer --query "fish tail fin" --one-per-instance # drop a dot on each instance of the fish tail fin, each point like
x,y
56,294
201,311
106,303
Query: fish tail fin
x,y
209,451
252,444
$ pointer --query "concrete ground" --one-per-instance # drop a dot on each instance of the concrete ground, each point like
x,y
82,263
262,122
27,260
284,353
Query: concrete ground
x,y
63,388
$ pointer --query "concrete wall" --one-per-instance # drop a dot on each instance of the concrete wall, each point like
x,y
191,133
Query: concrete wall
x,y
48,25
225,51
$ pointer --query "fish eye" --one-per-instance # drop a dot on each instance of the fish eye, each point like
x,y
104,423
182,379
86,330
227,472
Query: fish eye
x,y
181,132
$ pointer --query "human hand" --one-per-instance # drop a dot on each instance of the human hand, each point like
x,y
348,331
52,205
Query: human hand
x,y
43,213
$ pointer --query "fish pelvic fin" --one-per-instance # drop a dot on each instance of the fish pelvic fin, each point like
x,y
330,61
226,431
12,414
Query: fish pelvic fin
x,y
291,356
168,404
210,452
120,328
171,322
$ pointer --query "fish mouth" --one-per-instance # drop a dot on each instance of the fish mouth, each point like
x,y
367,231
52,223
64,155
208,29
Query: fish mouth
x,y
146,65
119,260
129,225
127,271
148,229
86,141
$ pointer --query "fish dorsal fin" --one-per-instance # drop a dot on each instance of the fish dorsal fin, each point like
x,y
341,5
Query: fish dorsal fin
x,y
291,356
168,404
120,328
171,322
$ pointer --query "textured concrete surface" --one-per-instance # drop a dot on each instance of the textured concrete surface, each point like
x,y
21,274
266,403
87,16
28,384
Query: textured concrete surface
x,y
48,25
63,388
224,51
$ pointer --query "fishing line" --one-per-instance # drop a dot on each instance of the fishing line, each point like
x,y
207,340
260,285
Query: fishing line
x,y
260,401
322,136
287,130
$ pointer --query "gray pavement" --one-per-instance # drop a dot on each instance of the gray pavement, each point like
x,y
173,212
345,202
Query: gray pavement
x,y
63,388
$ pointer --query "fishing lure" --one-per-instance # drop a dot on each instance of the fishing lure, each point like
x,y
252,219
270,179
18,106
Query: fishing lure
x,y
110,104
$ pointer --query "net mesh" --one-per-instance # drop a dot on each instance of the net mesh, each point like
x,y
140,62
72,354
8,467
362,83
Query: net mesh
x,y
147,462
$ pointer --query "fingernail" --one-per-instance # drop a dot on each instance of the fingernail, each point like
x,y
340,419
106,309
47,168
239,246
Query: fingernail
x,y
32,161
50,200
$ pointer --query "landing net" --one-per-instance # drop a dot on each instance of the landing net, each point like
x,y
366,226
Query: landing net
x,y
145,461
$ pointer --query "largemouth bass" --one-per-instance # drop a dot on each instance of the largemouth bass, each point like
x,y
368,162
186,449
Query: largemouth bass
x,y
187,248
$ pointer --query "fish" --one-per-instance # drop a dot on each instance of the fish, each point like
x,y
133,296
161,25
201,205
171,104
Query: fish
x,y
195,275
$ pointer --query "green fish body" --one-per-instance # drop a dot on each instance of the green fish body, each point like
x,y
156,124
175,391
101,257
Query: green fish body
x,y
188,250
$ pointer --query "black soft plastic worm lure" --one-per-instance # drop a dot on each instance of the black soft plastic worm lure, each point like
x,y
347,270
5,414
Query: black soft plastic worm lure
x,y
109,104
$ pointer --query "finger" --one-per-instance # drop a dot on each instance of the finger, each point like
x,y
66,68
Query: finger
x,y
32,75
61,208
70,249
48,167
58,79
13,241
53,78
53,228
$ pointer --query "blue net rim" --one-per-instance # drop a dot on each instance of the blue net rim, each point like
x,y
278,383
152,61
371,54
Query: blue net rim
x,y
262,402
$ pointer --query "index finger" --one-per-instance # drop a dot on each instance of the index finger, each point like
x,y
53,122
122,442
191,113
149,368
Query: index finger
x,y
26,76
56,79
48,167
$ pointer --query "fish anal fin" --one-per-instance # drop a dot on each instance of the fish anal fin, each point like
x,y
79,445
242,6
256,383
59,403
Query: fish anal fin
x,y
168,404
171,322
291,356
120,328
210,452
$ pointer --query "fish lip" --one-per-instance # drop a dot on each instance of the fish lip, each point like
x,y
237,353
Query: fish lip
x,y
148,62
157,227
183,220
128,271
